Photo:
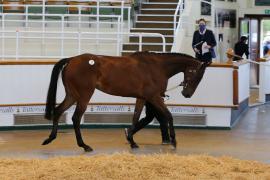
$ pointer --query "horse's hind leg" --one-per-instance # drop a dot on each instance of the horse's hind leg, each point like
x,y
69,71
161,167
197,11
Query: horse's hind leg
x,y
76,118
68,101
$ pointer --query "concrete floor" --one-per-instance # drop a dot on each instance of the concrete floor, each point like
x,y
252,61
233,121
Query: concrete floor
x,y
248,140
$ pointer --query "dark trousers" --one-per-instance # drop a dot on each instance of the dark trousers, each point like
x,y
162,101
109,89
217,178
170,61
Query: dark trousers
x,y
206,57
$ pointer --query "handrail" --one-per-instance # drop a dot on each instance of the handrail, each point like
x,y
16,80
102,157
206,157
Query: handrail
x,y
178,11
79,36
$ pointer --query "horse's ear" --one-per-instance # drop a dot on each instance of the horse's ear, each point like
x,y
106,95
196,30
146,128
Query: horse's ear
x,y
208,63
205,64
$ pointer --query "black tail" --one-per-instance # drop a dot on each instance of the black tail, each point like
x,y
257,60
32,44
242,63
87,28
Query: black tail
x,y
51,97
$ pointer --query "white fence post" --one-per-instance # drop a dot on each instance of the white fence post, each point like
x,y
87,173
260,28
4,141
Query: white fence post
x,y
79,42
3,36
262,83
26,16
122,15
17,44
140,42
62,36
129,15
80,19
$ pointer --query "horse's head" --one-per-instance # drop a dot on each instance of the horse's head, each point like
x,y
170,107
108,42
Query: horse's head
x,y
192,78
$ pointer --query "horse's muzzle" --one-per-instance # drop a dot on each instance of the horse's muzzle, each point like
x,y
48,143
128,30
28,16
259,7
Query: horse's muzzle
x,y
186,95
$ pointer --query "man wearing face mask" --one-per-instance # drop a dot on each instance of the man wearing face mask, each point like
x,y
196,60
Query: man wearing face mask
x,y
204,42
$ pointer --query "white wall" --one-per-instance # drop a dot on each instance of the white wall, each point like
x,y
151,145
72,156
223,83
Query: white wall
x,y
243,82
248,7
264,85
28,84
23,84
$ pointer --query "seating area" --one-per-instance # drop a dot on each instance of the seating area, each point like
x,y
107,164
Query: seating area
x,y
63,7
59,13
99,26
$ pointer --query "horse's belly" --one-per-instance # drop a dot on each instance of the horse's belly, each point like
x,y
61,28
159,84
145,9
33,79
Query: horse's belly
x,y
126,89
120,91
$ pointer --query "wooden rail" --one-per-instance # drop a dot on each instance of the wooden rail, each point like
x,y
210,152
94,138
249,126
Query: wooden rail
x,y
53,61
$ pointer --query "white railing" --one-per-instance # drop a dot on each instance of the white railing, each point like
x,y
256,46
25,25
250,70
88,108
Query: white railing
x,y
21,36
178,11
64,22
97,6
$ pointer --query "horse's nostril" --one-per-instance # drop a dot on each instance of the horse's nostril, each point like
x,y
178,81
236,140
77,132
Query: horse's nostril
x,y
187,95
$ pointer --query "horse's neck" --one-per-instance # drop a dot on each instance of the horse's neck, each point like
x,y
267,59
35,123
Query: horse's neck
x,y
176,65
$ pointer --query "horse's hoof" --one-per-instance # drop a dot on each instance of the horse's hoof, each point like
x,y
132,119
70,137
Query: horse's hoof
x,y
166,142
134,146
173,143
127,135
87,149
47,141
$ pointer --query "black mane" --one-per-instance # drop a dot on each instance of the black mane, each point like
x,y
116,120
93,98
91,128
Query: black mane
x,y
177,54
167,53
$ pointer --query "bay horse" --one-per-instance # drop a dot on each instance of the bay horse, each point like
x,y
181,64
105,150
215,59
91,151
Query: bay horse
x,y
141,75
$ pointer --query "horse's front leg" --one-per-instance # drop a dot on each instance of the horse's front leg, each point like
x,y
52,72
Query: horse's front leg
x,y
163,111
137,113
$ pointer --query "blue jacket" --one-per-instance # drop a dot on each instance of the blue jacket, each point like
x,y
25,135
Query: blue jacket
x,y
207,37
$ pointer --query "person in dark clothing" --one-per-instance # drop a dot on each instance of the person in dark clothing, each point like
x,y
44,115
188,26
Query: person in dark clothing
x,y
241,47
204,42
266,46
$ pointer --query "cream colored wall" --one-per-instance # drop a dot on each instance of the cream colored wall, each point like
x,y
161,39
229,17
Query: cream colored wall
x,y
191,14
248,7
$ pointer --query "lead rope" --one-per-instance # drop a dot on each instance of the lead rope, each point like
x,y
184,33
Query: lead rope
x,y
254,62
167,97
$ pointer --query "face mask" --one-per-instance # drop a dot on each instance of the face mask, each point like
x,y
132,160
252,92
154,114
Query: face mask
x,y
202,27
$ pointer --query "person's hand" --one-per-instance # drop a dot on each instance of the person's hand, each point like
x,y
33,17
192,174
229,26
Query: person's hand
x,y
197,50
208,47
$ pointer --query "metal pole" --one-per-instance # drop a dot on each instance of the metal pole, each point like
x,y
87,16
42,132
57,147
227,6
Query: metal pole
x,y
140,42
97,28
62,36
175,19
3,36
118,37
43,21
262,83
17,44
129,14
122,15
80,8
26,16
163,43
79,42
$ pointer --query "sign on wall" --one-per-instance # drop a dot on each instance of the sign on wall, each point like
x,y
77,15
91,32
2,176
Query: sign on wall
x,y
206,8
97,109
225,18
262,3
267,11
